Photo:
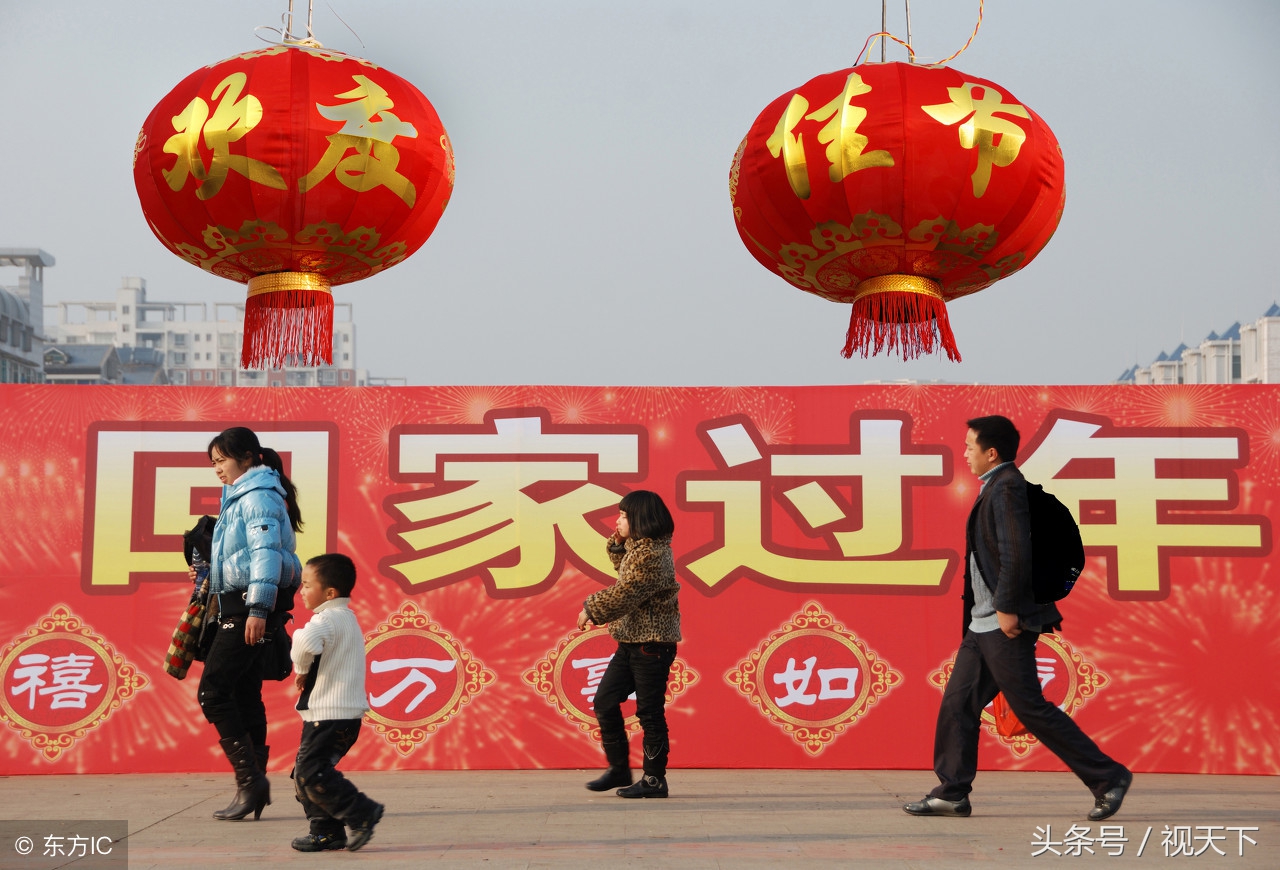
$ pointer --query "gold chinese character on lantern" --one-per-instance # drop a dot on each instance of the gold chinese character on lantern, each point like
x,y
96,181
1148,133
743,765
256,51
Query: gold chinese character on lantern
x,y
845,145
375,159
982,128
234,118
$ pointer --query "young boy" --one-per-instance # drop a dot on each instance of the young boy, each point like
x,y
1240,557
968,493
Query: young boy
x,y
328,657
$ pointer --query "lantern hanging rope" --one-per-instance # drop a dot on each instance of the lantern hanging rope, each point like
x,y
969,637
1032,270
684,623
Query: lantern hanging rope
x,y
865,53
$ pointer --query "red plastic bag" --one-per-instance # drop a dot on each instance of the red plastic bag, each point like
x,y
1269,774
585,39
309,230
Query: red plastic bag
x,y
1007,724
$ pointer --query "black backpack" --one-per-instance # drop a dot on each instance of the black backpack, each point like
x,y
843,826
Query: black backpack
x,y
1057,553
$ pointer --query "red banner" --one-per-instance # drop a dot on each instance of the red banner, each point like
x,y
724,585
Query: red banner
x,y
819,536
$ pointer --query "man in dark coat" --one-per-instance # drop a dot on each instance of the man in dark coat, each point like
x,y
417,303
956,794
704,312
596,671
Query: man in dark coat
x,y
1002,622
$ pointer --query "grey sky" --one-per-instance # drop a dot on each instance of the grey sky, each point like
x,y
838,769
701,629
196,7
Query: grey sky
x,y
589,239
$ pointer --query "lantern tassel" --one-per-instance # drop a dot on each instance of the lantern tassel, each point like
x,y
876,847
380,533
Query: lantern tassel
x,y
903,313
288,321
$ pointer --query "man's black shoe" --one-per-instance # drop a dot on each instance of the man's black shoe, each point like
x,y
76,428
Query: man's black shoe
x,y
319,842
645,787
933,806
1109,804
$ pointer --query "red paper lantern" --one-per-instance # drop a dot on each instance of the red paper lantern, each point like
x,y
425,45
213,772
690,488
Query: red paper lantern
x,y
292,169
897,188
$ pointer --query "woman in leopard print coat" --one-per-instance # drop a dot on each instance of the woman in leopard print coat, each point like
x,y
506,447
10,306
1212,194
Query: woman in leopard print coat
x,y
642,610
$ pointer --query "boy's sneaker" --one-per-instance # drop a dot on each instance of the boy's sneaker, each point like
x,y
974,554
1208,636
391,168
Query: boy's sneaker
x,y
320,842
363,830
647,786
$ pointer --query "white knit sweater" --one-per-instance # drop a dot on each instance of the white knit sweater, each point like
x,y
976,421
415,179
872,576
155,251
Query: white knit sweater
x,y
332,637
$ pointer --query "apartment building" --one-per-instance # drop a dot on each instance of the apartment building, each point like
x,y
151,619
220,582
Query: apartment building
x,y
1243,354
21,314
197,342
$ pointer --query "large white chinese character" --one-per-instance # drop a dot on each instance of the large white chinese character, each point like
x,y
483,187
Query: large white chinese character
x,y
1045,670
414,677
1125,485
35,666
68,686
830,678
880,470
595,669
833,683
796,681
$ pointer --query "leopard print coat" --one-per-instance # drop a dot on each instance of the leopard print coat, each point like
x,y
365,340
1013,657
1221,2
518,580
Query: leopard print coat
x,y
643,606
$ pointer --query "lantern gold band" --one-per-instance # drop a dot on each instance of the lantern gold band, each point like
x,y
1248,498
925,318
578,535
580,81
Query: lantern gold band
x,y
896,284
284,282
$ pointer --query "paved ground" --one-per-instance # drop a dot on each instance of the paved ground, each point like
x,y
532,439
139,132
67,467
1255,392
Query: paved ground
x,y
714,819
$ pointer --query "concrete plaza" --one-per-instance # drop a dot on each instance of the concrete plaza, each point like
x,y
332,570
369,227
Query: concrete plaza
x,y
713,819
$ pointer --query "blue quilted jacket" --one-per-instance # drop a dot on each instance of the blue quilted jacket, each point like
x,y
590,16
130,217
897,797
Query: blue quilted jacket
x,y
253,542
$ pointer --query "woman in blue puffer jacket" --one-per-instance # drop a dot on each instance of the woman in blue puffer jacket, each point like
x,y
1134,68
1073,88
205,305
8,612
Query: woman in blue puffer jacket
x,y
253,572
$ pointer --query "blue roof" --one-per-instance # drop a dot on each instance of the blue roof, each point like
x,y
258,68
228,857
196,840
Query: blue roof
x,y
1233,333
1273,311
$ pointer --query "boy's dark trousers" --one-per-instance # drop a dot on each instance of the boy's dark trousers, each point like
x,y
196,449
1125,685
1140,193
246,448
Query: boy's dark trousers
x,y
328,798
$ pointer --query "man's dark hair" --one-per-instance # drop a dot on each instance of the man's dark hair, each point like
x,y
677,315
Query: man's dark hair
x,y
998,432
335,571
648,516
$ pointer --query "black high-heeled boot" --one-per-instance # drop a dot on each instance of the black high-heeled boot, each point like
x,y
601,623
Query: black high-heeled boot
x,y
253,792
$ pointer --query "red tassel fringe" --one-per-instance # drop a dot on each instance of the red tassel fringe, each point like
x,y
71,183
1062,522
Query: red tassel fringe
x,y
909,323
288,328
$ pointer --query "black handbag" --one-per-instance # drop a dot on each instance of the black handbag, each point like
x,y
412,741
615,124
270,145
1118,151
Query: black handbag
x,y
277,656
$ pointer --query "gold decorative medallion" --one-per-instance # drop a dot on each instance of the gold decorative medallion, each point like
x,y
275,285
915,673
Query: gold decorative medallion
x,y
417,678
813,678
61,681
570,674
1066,677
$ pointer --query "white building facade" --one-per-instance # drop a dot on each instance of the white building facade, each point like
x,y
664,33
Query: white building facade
x,y
1244,354
22,337
197,349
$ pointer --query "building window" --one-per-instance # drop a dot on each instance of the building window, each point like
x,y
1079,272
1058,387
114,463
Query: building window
x,y
179,339
124,309
178,377
179,359
224,379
